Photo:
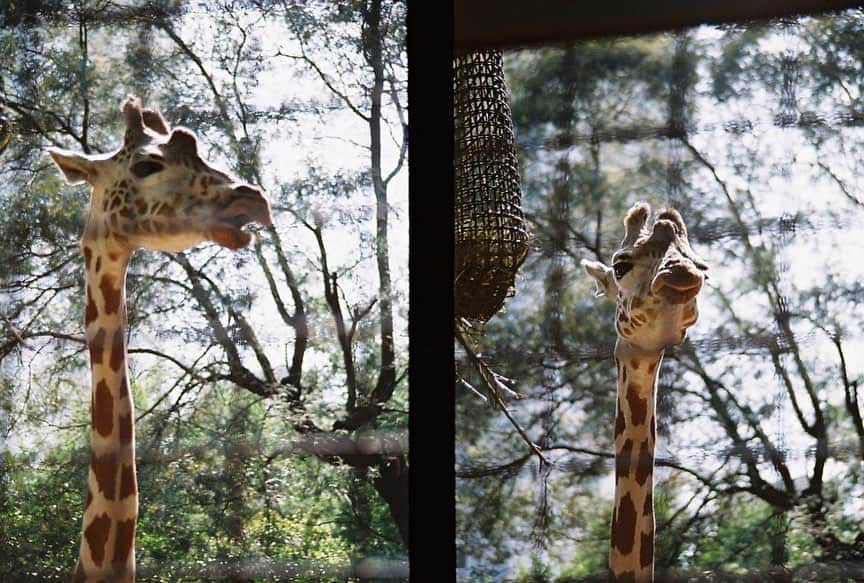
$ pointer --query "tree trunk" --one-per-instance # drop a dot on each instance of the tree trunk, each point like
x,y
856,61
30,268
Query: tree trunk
x,y
392,485
373,42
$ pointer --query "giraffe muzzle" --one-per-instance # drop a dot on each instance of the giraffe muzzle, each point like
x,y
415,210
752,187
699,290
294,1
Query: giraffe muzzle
x,y
677,285
246,205
249,204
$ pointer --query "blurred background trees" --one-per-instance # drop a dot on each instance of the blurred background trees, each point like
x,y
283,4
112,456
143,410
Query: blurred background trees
x,y
753,133
270,385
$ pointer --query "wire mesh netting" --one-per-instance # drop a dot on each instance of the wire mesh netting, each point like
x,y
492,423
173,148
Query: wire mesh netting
x,y
491,234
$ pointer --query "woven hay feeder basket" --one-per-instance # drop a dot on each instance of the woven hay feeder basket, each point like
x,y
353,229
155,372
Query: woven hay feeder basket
x,y
491,232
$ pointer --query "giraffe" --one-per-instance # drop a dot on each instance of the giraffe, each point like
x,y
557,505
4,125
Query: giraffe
x,y
654,280
155,192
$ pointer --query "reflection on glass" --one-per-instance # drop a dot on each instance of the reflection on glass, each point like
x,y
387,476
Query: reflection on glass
x,y
753,133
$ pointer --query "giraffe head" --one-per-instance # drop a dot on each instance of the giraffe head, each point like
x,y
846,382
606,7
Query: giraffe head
x,y
654,280
156,192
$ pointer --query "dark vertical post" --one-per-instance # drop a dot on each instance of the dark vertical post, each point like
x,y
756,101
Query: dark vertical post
x,y
432,380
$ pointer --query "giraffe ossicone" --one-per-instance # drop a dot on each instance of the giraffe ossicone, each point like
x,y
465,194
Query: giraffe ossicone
x,y
155,192
654,280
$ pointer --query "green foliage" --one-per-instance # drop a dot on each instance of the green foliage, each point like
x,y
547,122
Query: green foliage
x,y
591,554
557,85
741,65
837,56
738,538
40,509
537,572
291,509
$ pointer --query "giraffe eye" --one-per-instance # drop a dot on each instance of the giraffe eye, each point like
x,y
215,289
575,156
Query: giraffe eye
x,y
621,268
145,168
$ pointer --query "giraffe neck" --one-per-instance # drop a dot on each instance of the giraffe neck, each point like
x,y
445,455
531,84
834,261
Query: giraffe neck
x,y
631,555
108,531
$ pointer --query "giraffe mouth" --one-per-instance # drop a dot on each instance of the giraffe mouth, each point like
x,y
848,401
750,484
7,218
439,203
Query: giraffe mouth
x,y
677,286
230,237
233,232
238,221
247,206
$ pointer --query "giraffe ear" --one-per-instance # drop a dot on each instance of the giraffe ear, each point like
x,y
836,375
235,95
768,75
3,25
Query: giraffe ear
x,y
604,277
183,143
76,168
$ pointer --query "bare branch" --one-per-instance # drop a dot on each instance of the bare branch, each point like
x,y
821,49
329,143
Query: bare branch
x,y
298,319
493,383
840,184
323,76
331,295
238,373
248,333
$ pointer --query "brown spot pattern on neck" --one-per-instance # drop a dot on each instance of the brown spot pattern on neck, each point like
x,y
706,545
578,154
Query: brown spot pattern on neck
x,y
125,429
117,351
97,347
91,312
623,458
105,471
124,388
620,423
645,463
646,549
103,409
125,539
111,293
638,405
624,525
96,535
127,482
